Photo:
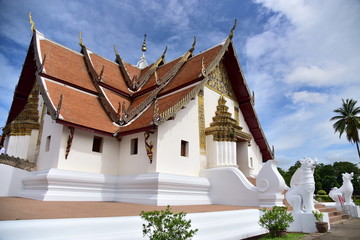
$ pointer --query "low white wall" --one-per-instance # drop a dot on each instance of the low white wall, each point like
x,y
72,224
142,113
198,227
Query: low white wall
x,y
226,225
11,180
65,185
163,189
152,188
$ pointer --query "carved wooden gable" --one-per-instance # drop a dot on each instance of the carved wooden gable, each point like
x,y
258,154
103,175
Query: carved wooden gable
x,y
219,81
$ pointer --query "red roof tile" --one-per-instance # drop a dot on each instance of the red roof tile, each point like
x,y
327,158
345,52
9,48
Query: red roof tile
x,y
65,65
80,108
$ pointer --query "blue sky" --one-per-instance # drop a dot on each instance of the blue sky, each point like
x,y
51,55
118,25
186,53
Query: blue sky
x,y
299,57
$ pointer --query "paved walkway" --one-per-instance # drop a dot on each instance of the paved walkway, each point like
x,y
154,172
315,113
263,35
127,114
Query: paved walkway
x,y
20,208
12,208
344,229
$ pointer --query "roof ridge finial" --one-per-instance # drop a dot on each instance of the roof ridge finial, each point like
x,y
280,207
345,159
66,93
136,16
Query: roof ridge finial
x,y
31,22
81,40
232,29
115,50
143,47
142,63
193,45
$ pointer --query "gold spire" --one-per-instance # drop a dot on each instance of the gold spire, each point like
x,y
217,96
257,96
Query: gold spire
x,y
143,48
31,22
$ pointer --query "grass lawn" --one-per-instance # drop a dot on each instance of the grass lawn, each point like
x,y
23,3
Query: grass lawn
x,y
289,236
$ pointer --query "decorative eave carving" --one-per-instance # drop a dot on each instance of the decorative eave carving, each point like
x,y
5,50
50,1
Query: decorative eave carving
x,y
162,83
170,74
96,79
221,53
171,111
123,69
224,127
141,82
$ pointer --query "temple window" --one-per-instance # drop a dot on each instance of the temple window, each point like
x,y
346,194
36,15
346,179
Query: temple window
x,y
184,148
134,146
47,144
97,144
251,162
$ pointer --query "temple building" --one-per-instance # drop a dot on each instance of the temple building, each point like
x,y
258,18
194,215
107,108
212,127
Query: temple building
x,y
103,130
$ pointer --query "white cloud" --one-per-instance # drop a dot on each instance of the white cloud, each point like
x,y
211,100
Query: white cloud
x,y
316,76
308,97
308,53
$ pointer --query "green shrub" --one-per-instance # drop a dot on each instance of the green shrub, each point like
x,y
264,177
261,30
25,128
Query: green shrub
x,y
323,198
321,192
276,219
318,215
165,225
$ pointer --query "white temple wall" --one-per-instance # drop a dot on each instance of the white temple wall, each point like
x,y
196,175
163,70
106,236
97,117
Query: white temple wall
x,y
139,163
243,159
50,144
17,146
255,157
82,157
185,128
32,145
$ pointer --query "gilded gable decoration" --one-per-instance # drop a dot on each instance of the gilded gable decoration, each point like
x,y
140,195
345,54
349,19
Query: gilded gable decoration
x,y
224,128
28,118
201,121
219,82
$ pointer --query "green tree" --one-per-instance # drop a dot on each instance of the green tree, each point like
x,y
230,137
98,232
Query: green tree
x,y
348,121
348,167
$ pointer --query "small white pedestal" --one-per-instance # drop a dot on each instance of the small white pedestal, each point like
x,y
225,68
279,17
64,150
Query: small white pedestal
x,y
305,222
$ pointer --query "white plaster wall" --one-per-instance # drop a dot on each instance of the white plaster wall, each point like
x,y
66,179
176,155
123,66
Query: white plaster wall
x,y
49,159
32,145
139,163
185,127
18,146
243,159
82,158
255,154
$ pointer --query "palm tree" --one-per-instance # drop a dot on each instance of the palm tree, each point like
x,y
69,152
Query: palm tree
x,y
348,121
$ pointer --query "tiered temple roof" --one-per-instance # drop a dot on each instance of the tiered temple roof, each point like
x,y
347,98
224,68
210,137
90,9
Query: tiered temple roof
x,y
87,91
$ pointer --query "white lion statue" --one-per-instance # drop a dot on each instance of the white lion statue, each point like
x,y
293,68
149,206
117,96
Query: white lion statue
x,y
346,190
302,186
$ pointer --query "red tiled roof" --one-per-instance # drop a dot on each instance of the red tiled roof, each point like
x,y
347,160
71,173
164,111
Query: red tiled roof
x,y
111,74
78,78
66,65
80,108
